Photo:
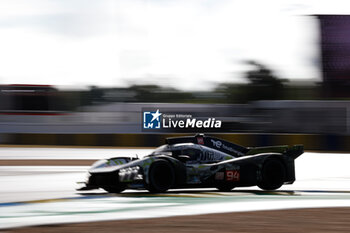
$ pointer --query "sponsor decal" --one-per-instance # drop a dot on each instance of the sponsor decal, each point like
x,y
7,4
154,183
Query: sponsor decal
x,y
232,175
219,145
200,140
219,176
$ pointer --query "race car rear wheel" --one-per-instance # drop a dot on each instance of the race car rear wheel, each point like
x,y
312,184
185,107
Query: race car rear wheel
x,y
273,174
161,176
225,187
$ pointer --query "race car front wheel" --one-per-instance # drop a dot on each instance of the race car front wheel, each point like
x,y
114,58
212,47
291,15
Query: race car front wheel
x,y
273,175
115,189
161,176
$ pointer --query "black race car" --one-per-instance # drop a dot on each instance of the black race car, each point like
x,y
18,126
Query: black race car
x,y
196,162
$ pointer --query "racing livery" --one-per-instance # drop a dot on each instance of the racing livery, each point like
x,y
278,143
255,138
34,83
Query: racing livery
x,y
197,162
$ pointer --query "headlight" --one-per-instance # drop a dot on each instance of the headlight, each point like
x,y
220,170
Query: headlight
x,y
129,169
130,174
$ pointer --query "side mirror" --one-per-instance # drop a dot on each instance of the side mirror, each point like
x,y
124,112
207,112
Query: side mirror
x,y
183,158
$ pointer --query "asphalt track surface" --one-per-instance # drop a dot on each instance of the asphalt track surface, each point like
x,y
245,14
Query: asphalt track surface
x,y
36,195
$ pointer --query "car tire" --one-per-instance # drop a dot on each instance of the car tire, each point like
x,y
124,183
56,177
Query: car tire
x,y
273,174
115,189
225,187
161,176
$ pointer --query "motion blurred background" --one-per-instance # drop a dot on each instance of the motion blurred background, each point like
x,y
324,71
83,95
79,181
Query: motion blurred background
x,y
80,72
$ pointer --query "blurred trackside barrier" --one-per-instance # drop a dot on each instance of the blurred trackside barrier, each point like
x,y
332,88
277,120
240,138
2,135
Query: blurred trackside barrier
x,y
310,141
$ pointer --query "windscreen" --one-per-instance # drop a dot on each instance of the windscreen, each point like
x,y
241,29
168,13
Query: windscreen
x,y
162,150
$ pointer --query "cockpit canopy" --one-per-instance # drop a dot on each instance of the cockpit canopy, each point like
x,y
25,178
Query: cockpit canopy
x,y
196,153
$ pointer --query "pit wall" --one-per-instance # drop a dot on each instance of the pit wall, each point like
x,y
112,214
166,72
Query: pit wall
x,y
310,141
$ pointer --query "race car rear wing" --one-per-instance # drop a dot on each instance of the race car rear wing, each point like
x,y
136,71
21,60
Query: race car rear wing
x,y
212,142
